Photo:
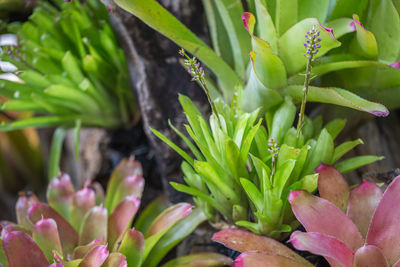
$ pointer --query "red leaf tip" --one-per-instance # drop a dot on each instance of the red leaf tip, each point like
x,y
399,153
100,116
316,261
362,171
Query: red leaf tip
x,y
294,194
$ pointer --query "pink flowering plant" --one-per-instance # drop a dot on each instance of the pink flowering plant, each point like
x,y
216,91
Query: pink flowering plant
x,y
86,228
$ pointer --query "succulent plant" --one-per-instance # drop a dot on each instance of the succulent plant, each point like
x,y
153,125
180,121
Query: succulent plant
x,y
67,69
268,60
357,227
86,228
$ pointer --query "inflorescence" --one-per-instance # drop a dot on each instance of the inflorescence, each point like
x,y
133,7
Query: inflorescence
x,y
312,47
273,149
197,73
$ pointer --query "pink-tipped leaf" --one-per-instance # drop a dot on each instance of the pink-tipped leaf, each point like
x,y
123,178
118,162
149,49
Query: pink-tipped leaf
x,y
332,186
369,256
205,259
127,167
169,217
68,235
362,204
24,202
21,251
60,192
259,259
384,230
319,215
130,186
121,219
132,246
83,201
243,241
45,234
94,225
96,257
325,245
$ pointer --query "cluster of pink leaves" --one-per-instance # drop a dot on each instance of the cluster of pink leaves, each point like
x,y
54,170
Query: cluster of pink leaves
x,y
358,227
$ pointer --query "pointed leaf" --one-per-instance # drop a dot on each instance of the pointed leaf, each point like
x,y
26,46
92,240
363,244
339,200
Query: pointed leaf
x,y
319,215
83,201
60,193
129,186
385,223
24,202
343,148
332,186
366,44
337,96
351,164
81,251
363,201
324,245
151,211
243,241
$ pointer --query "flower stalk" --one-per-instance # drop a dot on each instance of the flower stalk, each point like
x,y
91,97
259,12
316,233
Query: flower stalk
x,y
312,47
198,74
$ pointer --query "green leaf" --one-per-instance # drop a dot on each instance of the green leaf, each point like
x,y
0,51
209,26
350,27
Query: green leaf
x,y
334,127
291,46
322,152
148,215
365,43
263,173
343,148
265,25
236,163
132,246
337,96
385,25
308,183
55,151
253,194
356,162
218,34
178,150
346,8
281,176
340,26
77,130
157,17
283,119
230,12
173,236
313,9
286,15
38,122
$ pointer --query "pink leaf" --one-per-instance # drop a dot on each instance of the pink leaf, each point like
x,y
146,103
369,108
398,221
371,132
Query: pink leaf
x,y
243,241
362,204
115,259
369,256
68,235
169,217
324,245
21,251
332,186
81,251
121,218
384,231
45,234
319,215
94,225
259,259
95,257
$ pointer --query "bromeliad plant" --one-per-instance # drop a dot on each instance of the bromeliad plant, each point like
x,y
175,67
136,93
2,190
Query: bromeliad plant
x,y
276,63
68,68
357,227
84,228
242,172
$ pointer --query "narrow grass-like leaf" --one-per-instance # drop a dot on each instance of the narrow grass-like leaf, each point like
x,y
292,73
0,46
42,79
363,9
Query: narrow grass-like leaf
x,y
351,164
